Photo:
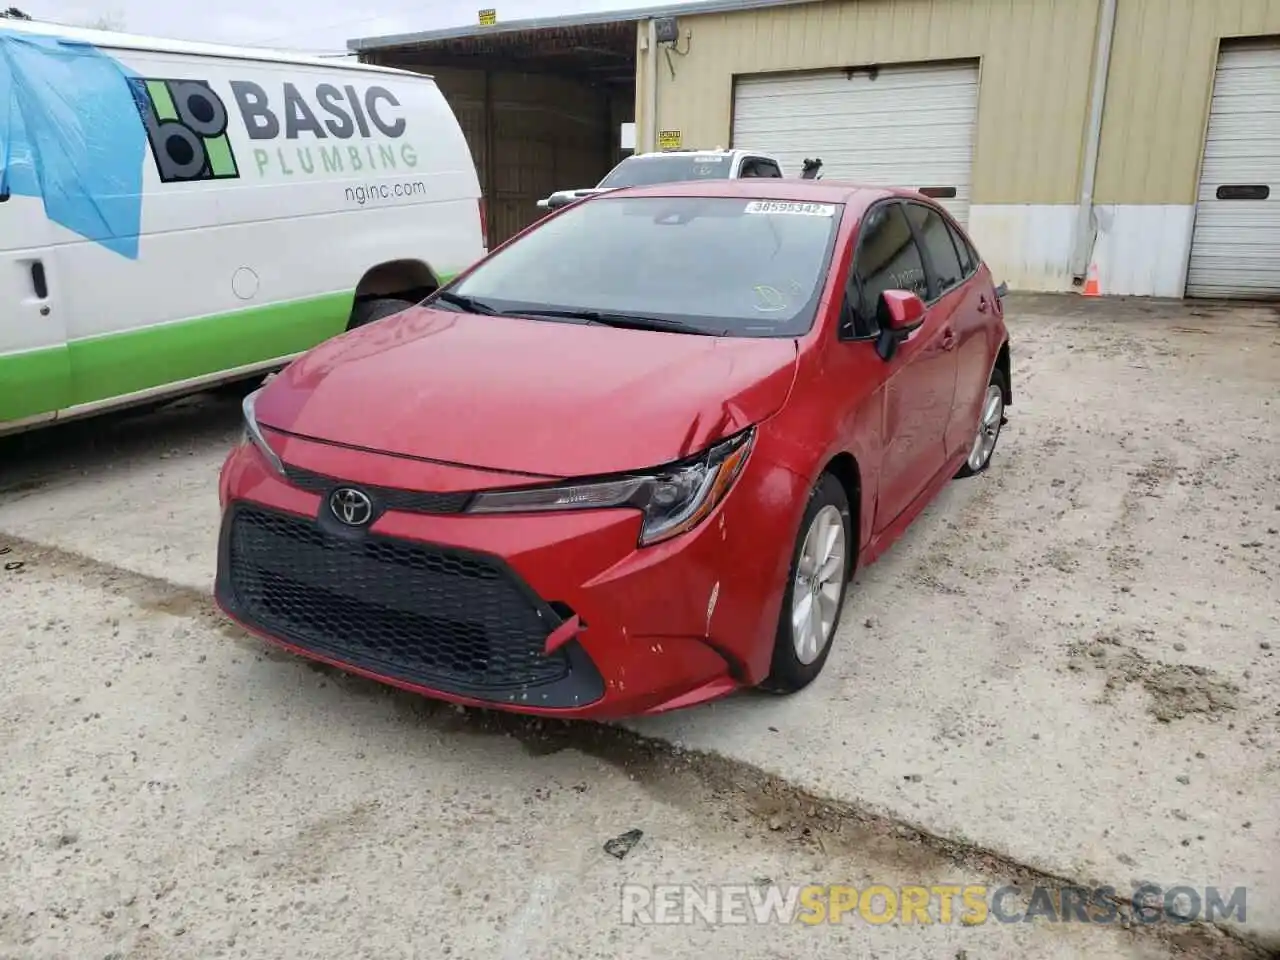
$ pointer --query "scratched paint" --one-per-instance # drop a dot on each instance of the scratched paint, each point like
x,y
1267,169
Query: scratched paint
x,y
711,604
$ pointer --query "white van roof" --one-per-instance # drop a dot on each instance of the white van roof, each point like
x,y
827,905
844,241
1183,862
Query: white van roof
x,y
127,41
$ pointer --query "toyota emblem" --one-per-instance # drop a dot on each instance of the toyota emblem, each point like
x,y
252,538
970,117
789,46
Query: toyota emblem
x,y
351,506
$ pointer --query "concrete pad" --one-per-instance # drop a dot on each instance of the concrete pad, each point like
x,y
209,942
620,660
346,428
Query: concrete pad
x,y
181,793
135,491
1068,661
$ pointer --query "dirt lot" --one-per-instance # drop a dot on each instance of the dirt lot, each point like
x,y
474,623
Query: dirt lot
x,y
1064,673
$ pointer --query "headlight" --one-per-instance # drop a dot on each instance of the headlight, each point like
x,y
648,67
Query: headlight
x,y
253,433
673,499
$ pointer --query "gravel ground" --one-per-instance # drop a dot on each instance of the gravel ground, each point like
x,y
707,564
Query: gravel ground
x,y
1063,673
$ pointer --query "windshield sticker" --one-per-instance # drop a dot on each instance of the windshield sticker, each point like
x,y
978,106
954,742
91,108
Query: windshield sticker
x,y
787,206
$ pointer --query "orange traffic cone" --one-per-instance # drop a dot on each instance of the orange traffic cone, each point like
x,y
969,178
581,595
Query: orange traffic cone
x,y
1091,288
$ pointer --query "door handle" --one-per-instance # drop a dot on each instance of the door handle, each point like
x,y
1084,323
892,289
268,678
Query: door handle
x,y
948,339
38,280
983,305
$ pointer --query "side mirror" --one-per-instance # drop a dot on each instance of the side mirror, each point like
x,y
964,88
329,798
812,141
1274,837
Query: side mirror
x,y
900,312
903,310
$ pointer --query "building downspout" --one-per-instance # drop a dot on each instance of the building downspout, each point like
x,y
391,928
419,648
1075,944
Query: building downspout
x,y
1086,228
649,144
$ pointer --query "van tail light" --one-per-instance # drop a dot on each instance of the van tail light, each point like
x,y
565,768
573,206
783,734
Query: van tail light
x,y
484,221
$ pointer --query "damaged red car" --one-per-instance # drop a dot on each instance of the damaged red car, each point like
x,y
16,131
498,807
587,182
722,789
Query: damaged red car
x,y
629,461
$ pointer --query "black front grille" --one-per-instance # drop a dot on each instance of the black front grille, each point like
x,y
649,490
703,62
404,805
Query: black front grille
x,y
386,498
449,620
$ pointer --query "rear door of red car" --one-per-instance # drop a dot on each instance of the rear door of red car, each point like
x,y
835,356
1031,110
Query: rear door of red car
x,y
978,308
957,305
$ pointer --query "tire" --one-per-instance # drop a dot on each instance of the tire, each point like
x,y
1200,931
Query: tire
x,y
369,311
796,665
990,420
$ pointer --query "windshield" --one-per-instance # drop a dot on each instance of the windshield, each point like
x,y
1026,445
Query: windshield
x,y
643,171
717,265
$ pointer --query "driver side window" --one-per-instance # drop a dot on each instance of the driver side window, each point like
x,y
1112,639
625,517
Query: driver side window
x,y
886,259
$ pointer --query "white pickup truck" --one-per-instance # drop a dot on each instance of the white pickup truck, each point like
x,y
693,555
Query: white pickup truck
x,y
669,166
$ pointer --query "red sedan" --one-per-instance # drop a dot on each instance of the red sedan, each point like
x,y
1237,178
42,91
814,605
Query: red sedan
x,y
630,460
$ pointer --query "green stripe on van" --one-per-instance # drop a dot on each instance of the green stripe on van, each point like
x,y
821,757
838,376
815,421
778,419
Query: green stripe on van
x,y
140,359
33,383
99,368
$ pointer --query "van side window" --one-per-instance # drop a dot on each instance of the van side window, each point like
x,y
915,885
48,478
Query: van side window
x,y
886,258
935,239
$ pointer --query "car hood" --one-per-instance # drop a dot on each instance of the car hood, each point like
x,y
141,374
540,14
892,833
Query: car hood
x,y
528,396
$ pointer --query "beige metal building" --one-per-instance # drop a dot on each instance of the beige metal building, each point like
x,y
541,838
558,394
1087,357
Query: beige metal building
x,y
1135,143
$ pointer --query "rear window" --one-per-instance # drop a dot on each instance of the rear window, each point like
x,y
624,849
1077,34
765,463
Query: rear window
x,y
729,266
642,171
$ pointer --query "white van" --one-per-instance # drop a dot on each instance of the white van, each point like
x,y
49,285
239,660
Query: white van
x,y
177,215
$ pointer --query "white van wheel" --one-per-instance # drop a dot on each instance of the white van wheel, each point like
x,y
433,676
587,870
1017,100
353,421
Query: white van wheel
x,y
368,311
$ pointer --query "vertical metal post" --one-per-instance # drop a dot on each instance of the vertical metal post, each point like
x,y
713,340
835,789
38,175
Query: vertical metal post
x,y
650,143
1101,69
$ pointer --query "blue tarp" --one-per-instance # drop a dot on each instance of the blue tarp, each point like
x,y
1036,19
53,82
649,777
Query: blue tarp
x,y
71,134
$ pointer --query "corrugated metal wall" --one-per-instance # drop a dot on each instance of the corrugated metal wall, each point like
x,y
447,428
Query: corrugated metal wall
x,y
1162,66
548,134
1036,64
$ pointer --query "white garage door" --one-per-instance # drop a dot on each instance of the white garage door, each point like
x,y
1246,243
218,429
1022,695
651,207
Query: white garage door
x,y
1235,249
910,126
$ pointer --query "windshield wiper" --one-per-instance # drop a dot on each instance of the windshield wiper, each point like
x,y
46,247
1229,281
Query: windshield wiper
x,y
630,321
470,304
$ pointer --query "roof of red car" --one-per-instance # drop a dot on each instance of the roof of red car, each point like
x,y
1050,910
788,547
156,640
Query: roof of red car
x,y
769,188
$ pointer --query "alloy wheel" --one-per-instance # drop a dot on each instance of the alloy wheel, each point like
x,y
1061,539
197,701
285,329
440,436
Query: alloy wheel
x,y
984,444
815,596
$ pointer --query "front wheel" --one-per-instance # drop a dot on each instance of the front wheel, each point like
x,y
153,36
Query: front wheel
x,y
989,423
816,585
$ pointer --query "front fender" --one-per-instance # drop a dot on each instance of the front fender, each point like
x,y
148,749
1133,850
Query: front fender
x,y
858,437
